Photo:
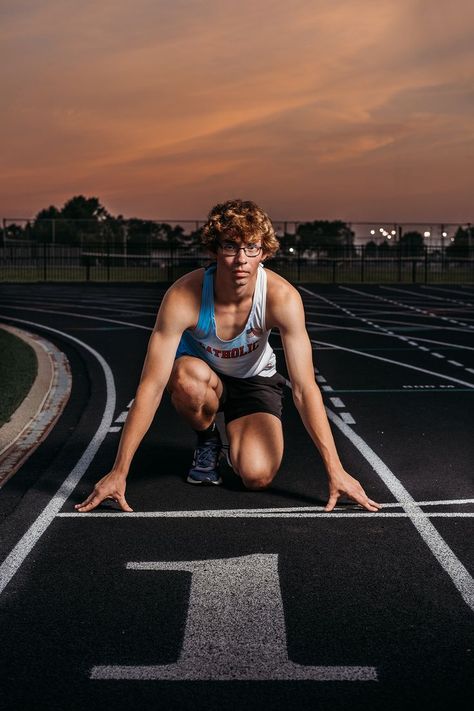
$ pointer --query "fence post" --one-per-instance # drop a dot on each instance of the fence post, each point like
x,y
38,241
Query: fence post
x,y
413,271
362,261
334,270
108,261
44,262
298,264
426,264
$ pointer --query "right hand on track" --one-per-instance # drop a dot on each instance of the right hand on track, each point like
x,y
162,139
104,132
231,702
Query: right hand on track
x,y
111,486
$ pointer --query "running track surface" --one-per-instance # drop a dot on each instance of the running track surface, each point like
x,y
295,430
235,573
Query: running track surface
x,y
210,598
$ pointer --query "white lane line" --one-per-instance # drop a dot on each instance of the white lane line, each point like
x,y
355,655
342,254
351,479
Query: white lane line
x,y
400,325
455,362
449,291
319,325
347,417
115,429
421,295
122,417
437,545
248,513
426,387
327,388
71,313
337,402
423,311
73,304
16,557
395,362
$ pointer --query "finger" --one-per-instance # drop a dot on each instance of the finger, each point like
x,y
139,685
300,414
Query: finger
x,y
85,502
367,503
331,503
89,505
374,503
123,503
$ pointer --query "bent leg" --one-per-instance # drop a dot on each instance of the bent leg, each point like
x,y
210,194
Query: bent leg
x,y
256,448
195,391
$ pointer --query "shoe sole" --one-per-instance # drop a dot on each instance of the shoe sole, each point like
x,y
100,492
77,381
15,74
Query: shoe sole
x,y
205,482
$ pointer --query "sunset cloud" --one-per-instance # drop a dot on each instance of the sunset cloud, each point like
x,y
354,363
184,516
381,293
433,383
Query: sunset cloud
x,y
346,108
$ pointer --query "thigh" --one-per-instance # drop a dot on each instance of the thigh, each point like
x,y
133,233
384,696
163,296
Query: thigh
x,y
192,370
256,443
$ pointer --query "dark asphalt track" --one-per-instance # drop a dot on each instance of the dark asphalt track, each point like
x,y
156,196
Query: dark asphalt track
x,y
385,600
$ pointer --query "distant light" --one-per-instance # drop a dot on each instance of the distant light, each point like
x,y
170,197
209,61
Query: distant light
x,y
381,229
389,236
372,232
445,234
426,234
452,239
393,232
291,250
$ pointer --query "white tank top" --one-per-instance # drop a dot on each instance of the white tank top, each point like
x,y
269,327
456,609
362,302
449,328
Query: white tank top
x,y
247,354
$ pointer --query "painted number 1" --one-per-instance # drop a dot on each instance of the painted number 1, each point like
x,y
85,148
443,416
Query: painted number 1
x,y
235,628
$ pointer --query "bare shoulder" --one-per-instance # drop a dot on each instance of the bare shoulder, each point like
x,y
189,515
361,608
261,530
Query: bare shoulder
x,y
283,301
182,301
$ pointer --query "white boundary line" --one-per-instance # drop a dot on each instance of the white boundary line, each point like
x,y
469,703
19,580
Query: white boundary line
x,y
26,543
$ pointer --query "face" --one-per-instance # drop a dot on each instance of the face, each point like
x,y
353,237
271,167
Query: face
x,y
239,266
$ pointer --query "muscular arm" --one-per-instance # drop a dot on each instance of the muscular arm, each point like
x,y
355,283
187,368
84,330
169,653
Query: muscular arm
x,y
287,313
177,312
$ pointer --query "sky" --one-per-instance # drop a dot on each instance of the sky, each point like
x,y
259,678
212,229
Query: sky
x,y
360,110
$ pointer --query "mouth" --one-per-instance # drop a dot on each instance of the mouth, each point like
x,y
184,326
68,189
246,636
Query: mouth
x,y
239,272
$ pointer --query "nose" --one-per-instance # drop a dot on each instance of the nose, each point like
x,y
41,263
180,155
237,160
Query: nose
x,y
241,257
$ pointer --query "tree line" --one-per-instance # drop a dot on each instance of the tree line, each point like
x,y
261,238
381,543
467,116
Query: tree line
x,y
84,222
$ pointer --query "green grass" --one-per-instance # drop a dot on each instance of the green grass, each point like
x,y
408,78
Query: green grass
x,y
18,368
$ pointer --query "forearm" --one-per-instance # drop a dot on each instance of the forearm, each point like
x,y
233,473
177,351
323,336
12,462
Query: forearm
x,y
139,419
310,406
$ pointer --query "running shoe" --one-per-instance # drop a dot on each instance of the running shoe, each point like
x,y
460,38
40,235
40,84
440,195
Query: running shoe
x,y
205,462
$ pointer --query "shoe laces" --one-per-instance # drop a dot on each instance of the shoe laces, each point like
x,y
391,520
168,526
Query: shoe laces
x,y
206,453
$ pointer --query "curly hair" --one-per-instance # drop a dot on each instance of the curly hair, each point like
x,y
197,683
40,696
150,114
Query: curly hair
x,y
239,219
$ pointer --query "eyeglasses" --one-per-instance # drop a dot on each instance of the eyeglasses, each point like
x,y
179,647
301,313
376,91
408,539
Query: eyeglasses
x,y
230,249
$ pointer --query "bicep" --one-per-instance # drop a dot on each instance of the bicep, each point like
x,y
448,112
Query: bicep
x,y
171,321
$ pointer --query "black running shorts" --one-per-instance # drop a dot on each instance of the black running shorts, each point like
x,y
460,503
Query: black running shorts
x,y
246,396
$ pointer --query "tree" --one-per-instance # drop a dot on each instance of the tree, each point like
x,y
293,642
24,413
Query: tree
x,y
462,245
45,225
335,237
370,248
88,221
411,244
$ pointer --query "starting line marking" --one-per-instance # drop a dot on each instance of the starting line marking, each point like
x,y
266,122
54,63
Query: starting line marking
x,y
248,513
288,511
